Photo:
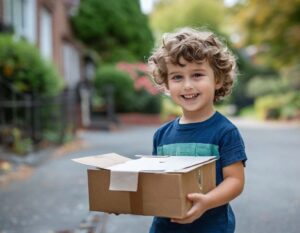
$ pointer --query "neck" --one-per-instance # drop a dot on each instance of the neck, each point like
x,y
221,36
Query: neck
x,y
191,117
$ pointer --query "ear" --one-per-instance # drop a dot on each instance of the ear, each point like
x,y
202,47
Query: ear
x,y
219,84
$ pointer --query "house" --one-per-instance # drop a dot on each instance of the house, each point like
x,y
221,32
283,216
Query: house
x,y
46,24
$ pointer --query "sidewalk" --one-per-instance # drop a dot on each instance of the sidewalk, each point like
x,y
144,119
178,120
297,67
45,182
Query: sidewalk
x,y
16,167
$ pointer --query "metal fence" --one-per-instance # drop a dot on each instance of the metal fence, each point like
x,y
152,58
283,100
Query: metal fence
x,y
38,117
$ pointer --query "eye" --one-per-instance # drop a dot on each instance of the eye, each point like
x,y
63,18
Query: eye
x,y
176,78
198,75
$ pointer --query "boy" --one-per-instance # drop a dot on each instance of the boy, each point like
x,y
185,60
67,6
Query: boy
x,y
196,70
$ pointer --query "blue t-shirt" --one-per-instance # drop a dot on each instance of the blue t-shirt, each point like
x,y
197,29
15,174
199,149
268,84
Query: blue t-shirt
x,y
215,136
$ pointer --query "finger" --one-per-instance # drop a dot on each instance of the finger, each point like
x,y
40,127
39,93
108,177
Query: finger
x,y
193,196
183,221
187,218
191,212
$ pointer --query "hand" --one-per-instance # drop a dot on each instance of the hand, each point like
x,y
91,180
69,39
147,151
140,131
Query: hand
x,y
200,205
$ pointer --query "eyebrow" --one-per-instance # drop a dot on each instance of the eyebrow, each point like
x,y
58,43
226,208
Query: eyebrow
x,y
194,70
175,72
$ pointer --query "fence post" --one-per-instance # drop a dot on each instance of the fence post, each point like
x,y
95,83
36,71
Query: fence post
x,y
33,117
62,103
28,115
2,118
85,106
14,109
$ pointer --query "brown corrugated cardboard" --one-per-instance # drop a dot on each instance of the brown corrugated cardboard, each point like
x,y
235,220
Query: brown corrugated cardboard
x,y
159,193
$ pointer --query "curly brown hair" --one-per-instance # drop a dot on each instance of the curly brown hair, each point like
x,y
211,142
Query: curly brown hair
x,y
194,46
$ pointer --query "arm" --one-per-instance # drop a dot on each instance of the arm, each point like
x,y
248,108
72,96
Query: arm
x,y
230,188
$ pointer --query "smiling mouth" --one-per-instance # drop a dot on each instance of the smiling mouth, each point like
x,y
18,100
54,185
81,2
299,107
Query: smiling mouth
x,y
190,96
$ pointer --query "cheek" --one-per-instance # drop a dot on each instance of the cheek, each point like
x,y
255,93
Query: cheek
x,y
172,86
173,91
208,88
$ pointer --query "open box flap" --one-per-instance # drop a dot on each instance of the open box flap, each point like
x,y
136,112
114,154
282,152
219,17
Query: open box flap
x,y
102,161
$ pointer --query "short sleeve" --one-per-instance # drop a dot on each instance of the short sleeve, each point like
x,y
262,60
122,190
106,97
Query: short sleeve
x,y
232,148
154,148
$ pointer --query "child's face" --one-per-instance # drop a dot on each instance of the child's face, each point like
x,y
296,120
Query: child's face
x,y
192,87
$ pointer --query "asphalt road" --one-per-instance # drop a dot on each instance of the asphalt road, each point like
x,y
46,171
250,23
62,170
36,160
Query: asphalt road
x,y
54,196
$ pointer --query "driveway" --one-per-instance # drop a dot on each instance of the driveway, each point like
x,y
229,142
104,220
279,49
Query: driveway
x,y
52,197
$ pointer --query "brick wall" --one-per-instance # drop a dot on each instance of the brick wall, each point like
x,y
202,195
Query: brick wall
x,y
61,29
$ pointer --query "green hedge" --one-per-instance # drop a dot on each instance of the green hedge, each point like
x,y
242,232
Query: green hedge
x,y
126,97
108,76
144,102
22,66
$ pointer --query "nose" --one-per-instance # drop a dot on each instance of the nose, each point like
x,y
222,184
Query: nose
x,y
187,84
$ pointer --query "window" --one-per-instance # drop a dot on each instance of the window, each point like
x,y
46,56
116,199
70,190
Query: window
x,y
71,60
21,15
46,41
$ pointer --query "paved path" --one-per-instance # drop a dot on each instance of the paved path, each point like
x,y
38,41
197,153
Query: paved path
x,y
54,195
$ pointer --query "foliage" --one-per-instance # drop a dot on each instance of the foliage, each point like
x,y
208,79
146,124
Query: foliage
x,y
144,102
248,112
171,14
108,77
117,29
147,94
278,106
273,27
13,139
139,74
271,103
169,109
246,72
259,86
22,66
272,34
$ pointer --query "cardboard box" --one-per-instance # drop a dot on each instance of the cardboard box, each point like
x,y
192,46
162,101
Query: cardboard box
x,y
151,185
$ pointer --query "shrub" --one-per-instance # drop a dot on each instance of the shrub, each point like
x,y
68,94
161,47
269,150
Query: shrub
x,y
291,105
108,76
147,95
278,106
271,103
22,66
144,102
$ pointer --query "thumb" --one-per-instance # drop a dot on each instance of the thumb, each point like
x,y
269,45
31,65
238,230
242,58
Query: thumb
x,y
193,196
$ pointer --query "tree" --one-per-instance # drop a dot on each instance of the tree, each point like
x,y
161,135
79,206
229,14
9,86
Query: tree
x,y
273,26
171,14
117,29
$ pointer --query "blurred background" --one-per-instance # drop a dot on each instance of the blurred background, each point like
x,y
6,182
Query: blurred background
x,y
70,69
82,63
